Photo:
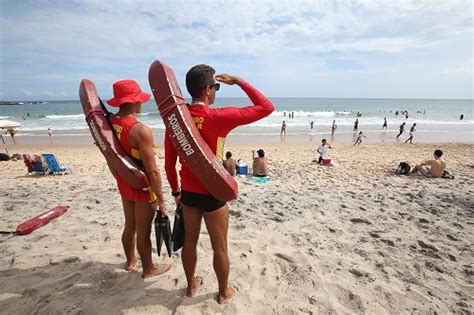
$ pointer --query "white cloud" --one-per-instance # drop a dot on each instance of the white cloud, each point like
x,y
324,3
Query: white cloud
x,y
106,40
25,92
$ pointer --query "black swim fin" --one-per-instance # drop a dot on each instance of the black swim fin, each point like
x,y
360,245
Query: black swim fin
x,y
178,229
163,233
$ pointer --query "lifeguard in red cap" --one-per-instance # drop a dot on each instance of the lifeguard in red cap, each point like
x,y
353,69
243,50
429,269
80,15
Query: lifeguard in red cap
x,y
139,206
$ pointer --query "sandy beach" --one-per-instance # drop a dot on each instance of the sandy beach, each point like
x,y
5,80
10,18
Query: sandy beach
x,y
314,240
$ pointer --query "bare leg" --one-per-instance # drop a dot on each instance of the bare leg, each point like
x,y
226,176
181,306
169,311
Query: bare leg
x,y
128,235
217,223
144,215
415,169
192,226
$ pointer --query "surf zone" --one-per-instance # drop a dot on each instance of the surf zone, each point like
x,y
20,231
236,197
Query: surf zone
x,y
179,135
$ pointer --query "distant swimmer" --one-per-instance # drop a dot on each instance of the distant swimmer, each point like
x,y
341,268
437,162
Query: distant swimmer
x,y
402,130
333,127
359,138
406,115
384,123
461,117
412,132
356,125
311,124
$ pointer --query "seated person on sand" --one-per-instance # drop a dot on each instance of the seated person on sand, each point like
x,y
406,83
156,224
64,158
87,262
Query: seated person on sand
x,y
323,151
229,163
259,165
436,166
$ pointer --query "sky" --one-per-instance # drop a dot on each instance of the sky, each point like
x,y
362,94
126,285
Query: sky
x,y
347,49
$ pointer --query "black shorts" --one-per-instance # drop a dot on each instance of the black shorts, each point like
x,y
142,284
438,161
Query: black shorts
x,y
205,203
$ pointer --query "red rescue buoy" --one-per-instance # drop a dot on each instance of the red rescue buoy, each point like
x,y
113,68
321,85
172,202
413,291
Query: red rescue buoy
x,y
32,224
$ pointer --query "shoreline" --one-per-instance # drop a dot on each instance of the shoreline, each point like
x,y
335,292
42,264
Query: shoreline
x,y
346,137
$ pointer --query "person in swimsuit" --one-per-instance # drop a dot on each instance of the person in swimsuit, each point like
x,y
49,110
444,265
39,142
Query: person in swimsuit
x,y
402,130
384,124
197,202
356,125
139,206
283,130
359,138
412,132
229,163
436,166
259,166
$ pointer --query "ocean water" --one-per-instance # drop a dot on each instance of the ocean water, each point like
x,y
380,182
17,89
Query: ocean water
x,y
436,119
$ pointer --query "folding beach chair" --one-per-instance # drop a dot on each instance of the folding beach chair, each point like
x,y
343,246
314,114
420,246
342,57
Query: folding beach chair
x,y
34,164
53,165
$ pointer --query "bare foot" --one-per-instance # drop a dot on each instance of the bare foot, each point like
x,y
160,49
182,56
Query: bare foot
x,y
156,270
129,265
194,286
229,294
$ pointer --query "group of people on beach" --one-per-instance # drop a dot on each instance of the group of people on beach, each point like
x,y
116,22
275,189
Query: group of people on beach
x,y
197,203
259,163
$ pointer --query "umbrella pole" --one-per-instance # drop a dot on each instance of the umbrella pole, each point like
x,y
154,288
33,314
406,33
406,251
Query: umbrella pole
x,y
6,148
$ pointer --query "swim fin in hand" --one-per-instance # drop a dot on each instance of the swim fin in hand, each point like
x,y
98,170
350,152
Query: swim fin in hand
x,y
163,233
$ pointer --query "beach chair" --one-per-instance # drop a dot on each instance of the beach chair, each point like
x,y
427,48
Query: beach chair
x,y
53,164
34,164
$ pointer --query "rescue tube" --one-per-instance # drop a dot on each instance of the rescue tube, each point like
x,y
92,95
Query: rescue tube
x,y
32,224
102,132
185,136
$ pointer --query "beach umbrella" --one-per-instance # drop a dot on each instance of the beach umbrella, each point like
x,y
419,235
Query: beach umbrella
x,y
7,124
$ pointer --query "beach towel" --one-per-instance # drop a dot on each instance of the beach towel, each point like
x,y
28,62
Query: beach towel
x,y
261,180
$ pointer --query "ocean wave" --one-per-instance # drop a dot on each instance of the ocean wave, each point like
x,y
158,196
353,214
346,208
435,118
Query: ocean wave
x,y
65,116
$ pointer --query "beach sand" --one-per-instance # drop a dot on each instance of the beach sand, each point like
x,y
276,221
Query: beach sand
x,y
316,240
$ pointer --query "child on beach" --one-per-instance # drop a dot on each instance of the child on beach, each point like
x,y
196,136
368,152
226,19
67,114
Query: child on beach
x,y
359,138
323,151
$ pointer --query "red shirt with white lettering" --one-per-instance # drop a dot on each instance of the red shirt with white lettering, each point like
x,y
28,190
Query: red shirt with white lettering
x,y
214,124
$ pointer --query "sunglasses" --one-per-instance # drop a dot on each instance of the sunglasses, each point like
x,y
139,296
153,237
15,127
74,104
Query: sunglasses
x,y
217,86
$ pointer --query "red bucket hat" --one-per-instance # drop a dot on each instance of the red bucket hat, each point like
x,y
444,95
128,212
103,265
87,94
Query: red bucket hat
x,y
127,91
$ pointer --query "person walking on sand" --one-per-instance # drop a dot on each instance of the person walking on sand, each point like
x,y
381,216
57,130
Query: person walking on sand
x,y
333,127
50,135
12,132
139,206
384,124
196,201
229,163
283,131
436,166
402,130
412,132
359,138
356,125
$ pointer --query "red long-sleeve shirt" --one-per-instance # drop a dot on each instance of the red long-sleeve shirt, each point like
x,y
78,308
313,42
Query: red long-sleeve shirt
x,y
214,124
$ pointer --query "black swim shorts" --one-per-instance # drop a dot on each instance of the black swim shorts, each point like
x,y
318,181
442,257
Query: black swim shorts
x,y
205,203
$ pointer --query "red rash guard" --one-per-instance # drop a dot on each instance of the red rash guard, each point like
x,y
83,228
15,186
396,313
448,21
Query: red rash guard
x,y
122,127
214,124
